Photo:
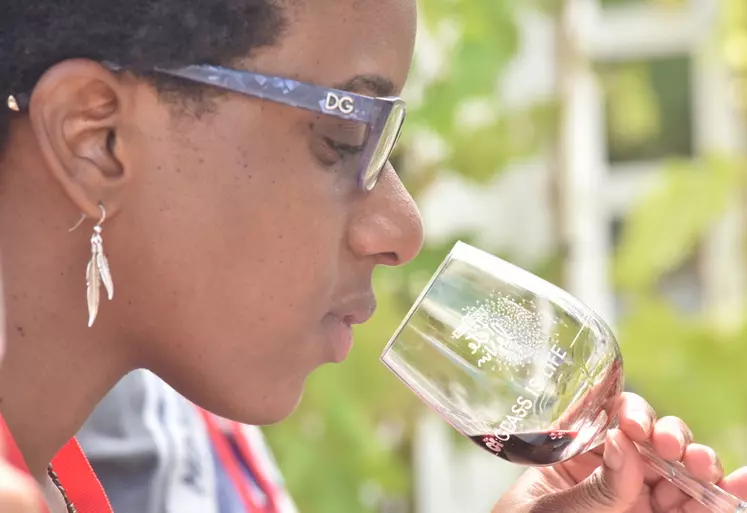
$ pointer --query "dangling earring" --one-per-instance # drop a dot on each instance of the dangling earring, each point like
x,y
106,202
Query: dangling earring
x,y
97,270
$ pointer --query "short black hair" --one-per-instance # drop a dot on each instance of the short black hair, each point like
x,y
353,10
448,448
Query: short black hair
x,y
137,35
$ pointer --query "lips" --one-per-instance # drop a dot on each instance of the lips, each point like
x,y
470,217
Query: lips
x,y
356,311
341,341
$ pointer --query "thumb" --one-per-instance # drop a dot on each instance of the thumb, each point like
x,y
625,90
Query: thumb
x,y
613,488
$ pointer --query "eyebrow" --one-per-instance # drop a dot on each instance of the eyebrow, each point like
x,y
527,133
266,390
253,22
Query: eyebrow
x,y
381,86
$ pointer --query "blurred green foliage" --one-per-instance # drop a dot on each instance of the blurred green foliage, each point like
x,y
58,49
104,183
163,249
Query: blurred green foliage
x,y
347,448
687,364
734,44
473,68
647,108
690,198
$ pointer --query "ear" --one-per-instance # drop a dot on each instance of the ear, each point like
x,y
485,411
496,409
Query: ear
x,y
75,111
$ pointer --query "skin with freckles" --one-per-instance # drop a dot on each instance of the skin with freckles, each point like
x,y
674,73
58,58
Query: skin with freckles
x,y
18,493
241,249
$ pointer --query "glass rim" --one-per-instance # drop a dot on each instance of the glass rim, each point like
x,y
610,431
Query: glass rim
x,y
459,246
463,250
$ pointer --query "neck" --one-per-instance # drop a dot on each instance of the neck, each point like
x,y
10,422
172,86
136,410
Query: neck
x,y
56,369
47,394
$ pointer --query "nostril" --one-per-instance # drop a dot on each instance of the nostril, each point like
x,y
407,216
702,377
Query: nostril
x,y
390,258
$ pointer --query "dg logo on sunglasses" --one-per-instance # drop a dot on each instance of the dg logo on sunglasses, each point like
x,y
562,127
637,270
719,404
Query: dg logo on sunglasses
x,y
344,104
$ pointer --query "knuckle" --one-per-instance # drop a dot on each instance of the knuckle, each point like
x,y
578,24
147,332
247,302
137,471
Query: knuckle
x,y
680,425
649,410
595,494
596,491
636,403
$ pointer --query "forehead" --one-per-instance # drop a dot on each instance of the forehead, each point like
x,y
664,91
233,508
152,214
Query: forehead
x,y
329,41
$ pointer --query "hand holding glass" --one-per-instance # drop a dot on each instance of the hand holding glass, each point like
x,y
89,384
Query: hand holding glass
x,y
519,366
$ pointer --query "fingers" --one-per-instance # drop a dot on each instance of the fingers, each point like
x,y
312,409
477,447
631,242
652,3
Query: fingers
x,y
701,463
18,493
670,438
636,417
616,486
735,484
612,488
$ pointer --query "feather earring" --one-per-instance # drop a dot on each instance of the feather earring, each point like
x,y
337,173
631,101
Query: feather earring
x,y
97,271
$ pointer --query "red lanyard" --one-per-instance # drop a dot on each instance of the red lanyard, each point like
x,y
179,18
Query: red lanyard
x,y
268,487
12,453
75,473
79,480
85,491
228,460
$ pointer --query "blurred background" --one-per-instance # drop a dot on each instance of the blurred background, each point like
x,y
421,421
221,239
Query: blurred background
x,y
598,143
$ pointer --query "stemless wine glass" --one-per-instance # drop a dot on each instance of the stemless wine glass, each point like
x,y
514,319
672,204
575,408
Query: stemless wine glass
x,y
521,367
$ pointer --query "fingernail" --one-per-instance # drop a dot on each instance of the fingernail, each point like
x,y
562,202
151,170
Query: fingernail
x,y
642,420
716,468
681,440
613,455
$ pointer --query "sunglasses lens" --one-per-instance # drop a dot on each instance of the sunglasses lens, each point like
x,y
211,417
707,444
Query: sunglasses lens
x,y
388,139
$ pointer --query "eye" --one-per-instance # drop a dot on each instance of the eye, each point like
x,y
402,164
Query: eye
x,y
338,142
342,149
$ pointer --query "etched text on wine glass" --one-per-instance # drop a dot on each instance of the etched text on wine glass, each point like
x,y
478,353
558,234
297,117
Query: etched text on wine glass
x,y
501,332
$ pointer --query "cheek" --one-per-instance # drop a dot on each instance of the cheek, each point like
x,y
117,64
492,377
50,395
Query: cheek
x,y
285,231
231,259
246,246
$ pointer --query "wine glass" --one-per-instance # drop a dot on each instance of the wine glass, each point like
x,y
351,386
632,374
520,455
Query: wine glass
x,y
521,367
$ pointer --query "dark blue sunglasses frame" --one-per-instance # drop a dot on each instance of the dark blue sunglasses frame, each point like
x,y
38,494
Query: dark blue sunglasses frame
x,y
383,116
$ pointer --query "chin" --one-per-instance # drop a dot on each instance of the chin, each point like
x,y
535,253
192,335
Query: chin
x,y
270,409
273,415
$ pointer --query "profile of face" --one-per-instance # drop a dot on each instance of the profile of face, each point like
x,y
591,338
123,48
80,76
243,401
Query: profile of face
x,y
241,245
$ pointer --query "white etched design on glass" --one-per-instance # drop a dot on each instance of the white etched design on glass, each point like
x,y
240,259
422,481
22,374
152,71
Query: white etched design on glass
x,y
502,333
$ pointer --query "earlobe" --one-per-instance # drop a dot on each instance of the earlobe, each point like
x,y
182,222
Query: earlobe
x,y
75,112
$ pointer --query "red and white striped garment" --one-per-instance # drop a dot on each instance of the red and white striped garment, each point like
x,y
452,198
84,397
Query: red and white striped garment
x,y
155,452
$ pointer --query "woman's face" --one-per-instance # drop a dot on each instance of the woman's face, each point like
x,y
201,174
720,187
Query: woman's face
x,y
244,250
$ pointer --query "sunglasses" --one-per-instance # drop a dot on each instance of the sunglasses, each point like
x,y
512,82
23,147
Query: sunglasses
x,y
382,117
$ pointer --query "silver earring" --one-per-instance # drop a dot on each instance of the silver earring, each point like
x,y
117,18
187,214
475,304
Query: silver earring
x,y
97,270
13,104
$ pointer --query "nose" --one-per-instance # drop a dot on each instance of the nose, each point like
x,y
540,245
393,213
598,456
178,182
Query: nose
x,y
388,226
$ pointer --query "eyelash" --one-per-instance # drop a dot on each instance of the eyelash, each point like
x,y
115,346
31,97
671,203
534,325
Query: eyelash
x,y
344,150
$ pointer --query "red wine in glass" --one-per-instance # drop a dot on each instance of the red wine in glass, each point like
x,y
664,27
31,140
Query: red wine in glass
x,y
506,357
538,448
